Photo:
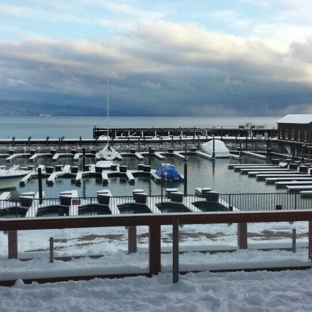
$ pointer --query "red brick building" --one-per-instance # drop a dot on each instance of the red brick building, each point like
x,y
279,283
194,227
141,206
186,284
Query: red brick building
x,y
296,128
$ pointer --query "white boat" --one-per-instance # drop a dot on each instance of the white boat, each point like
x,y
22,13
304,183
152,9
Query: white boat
x,y
9,178
107,153
216,148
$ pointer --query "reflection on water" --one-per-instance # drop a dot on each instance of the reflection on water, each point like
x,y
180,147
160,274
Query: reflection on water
x,y
200,173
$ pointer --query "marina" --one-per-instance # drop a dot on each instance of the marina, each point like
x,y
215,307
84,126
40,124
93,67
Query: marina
x,y
72,164
172,195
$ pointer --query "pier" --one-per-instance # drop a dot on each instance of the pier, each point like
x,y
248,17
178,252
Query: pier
x,y
176,133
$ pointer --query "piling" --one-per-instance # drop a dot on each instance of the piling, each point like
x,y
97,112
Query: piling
x,y
40,185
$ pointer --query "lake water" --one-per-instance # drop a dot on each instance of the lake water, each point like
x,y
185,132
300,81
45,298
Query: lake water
x,y
75,127
201,172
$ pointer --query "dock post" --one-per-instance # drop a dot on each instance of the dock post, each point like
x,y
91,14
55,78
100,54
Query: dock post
x,y
213,148
240,150
175,251
83,158
29,138
47,141
150,155
12,245
40,185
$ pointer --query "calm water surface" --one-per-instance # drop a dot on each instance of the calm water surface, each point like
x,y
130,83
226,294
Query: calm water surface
x,y
75,127
200,172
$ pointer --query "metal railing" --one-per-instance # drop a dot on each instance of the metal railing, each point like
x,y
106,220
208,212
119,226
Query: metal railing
x,y
154,223
267,201
115,205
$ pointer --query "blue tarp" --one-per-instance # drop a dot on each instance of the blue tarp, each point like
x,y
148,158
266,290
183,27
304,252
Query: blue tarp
x,y
170,170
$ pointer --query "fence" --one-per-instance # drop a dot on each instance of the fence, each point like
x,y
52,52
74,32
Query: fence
x,y
154,223
106,204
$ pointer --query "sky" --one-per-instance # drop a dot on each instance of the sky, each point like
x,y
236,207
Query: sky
x,y
191,58
286,291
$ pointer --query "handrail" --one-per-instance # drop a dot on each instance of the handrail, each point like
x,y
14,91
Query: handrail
x,y
17,224
154,222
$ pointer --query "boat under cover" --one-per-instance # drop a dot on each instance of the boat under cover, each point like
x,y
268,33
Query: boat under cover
x,y
169,170
217,146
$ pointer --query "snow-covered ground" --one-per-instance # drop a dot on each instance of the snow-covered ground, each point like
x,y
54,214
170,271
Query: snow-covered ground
x,y
204,291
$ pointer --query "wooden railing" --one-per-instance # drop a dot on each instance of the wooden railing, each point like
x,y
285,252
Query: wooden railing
x,y
154,222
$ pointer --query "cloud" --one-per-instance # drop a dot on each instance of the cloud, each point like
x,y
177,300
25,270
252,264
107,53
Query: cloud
x,y
167,67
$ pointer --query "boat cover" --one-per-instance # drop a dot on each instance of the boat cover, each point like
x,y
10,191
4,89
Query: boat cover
x,y
220,149
170,170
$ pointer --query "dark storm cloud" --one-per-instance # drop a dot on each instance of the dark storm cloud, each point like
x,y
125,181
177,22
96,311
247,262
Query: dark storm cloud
x,y
165,68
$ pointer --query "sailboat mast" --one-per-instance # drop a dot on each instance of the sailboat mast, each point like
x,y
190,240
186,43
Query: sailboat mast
x,y
107,109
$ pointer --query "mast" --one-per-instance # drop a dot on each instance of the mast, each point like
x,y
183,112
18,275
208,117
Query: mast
x,y
107,109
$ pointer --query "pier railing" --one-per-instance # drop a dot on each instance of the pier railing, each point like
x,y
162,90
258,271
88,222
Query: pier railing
x,y
267,201
143,203
154,222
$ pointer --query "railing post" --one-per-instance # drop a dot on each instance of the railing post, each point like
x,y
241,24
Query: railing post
x,y
242,235
310,239
175,251
154,249
51,250
132,240
293,245
12,245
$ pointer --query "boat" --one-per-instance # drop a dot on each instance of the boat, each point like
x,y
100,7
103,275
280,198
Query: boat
x,y
169,171
216,148
9,178
107,153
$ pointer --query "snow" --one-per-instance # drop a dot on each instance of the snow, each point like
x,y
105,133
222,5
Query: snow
x,y
296,119
202,291
220,149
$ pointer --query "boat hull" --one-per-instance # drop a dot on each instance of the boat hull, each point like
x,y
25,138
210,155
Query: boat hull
x,y
10,181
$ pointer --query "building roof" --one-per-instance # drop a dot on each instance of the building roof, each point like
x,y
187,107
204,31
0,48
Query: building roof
x,y
296,119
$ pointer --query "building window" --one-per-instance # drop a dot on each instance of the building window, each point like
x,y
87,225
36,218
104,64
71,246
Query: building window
x,y
305,135
292,134
281,135
286,134
298,138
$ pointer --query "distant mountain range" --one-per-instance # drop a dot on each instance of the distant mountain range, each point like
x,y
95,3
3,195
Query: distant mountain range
x,y
23,108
